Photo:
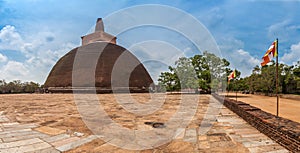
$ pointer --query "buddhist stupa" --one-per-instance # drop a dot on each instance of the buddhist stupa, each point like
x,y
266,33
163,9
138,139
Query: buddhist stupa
x,y
116,68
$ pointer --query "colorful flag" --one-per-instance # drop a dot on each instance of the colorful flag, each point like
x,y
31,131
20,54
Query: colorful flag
x,y
270,54
232,75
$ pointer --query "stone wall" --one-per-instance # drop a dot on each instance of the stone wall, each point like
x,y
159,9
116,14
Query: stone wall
x,y
283,131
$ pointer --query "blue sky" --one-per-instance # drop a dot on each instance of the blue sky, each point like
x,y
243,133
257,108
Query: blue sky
x,y
34,34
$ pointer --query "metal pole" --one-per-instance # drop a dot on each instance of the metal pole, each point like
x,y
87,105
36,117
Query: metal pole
x,y
236,95
235,91
277,105
228,91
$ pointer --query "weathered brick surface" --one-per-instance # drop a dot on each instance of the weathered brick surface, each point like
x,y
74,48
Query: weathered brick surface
x,y
283,131
113,67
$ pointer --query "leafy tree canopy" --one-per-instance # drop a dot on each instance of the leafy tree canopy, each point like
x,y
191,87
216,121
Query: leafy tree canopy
x,y
205,72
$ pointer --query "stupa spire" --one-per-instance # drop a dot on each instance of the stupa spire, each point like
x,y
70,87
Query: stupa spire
x,y
99,25
98,35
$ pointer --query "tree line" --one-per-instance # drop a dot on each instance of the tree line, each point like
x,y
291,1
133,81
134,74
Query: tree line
x,y
17,86
263,79
208,72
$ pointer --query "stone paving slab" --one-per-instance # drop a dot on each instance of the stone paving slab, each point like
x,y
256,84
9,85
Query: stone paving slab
x,y
26,148
190,135
19,126
50,130
64,141
252,135
20,143
18,133
22,137
4,133
56,138
9,124
76,143
254,143
45,150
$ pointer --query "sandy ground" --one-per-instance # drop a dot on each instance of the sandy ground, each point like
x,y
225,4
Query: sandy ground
x,y
288,108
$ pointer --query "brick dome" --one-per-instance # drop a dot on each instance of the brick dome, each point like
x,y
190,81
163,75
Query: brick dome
x,y
115,67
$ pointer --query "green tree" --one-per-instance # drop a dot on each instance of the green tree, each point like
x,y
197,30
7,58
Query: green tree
x,y
17,86
30,87
264,79
186,74
169,81
296,70
205,71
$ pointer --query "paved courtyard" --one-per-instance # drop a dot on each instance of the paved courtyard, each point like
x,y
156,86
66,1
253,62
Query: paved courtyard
x,y
51,123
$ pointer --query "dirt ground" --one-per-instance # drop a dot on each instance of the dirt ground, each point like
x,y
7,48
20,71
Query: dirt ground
x,y
288,108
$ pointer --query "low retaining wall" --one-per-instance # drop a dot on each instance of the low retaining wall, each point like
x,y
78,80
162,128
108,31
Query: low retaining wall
x,y
283,131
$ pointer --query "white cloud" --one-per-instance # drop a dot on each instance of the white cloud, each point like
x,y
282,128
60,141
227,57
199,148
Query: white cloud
x,y
239,58
40,64
40,52
3,58
293,56
10,39
14,71
230,43
284,30
242,61
247,58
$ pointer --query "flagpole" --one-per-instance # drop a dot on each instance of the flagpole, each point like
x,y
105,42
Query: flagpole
x,y
235,89
235,77
277,105
228,89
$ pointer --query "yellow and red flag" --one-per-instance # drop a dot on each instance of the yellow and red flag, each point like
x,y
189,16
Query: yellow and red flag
x,y
232,75
270,54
